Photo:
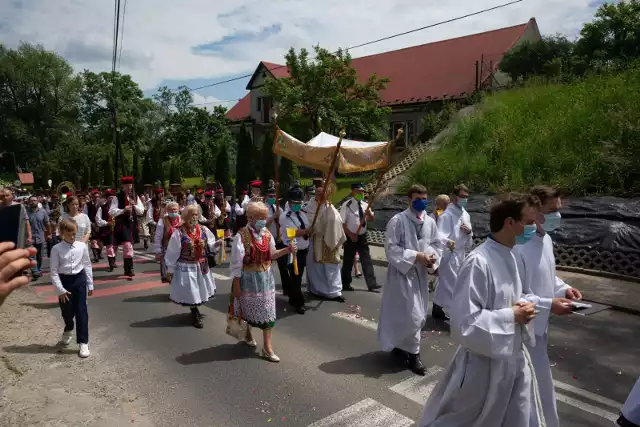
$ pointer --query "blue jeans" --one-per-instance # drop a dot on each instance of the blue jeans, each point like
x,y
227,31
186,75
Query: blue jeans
x,y
76,307
37,258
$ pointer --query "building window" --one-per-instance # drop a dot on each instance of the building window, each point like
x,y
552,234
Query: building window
x,y
259,104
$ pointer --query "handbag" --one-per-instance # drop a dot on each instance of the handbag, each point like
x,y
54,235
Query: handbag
x,y
236,326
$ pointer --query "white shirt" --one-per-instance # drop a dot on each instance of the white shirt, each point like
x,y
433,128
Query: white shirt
x,y
83,222
273,228
114,211
70,259
289,219
237,251
351,217
240,208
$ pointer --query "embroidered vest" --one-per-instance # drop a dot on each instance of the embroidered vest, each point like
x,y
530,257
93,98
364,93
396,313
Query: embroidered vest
x,y
192,248
257,252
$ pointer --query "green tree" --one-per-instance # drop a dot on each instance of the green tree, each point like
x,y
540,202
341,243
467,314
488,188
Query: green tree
x,y
288,172
86,178
223,169
175,175
245,171
147,175
135,168
268,158
547,57
95,177
326,94
107,171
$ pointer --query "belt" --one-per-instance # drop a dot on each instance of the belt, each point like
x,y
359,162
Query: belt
x,y
259,267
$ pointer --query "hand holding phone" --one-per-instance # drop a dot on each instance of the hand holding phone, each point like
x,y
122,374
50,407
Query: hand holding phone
x,y
12,263
14,225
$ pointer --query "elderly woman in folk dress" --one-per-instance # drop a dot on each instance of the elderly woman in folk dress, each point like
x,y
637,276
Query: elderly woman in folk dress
x,y
252,251
191,280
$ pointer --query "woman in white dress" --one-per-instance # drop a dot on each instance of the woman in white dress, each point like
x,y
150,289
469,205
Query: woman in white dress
x,y
185,258
72,211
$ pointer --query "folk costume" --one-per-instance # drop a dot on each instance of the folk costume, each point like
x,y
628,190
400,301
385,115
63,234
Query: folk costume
x,y
403,310
449,224
323,259
239,211
251,254
273,223
155,212
106,223
166,225
297,219
125,231
489,382
223,216
192,283
143,222
92,211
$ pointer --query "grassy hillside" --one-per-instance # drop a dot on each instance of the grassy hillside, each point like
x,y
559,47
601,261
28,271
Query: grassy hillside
x,y
584,137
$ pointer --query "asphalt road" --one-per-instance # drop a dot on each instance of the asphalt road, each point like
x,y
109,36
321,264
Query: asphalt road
x,y
332,372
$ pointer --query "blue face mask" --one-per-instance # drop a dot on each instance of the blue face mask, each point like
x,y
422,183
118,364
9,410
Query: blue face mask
x,y
260,224
296,208
419,205
529,232
462,203
271,200
173,214
551,221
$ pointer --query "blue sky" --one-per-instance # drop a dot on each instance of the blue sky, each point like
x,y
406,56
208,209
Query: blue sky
x,y
199,42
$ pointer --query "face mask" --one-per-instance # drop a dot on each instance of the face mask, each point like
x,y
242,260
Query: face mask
x,y
462,203
260,224
271,200
551,221
529,232
296,208
173,215
419,205
439,212
358,197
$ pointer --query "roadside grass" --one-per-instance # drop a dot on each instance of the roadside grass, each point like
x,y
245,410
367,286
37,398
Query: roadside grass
x,y
583,137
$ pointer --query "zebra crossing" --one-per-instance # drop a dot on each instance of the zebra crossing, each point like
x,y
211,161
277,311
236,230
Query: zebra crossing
x,y
417,389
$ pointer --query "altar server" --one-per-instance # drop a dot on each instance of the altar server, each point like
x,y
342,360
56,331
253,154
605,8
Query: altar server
x,y
413,251
537,268
489,382
455,227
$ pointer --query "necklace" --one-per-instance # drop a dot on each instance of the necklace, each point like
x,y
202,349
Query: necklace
x,y
263,244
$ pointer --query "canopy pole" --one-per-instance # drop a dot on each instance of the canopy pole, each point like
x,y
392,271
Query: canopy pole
x,y
328,176
276,219
381,174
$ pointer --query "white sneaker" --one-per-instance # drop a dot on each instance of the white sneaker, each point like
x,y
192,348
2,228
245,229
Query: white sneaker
x,y
67,336
271,357
84,350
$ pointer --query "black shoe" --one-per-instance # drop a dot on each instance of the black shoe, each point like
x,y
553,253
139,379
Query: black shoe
x,y
197,319
339,299
301,310
438,313
348,288
165,280
128,267
112,264
146,245
415,364
401,355
375,288
358,275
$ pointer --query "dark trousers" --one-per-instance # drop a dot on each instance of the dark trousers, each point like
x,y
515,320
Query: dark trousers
x,y
76,307
361,246
38,257
51,243
283,269
292,283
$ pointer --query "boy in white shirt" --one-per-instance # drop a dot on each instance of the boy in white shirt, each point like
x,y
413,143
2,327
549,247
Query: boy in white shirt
x,y
72,275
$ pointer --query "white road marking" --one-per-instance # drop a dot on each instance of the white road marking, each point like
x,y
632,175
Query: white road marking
x,y
586,407
357,319
220,276
419,388
591,396
367,413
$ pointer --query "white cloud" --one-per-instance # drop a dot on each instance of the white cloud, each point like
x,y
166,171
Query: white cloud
x,y
160,35
208,102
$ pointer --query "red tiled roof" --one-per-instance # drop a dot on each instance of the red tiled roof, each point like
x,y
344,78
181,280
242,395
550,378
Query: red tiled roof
x,y
26,178
241,110
424,73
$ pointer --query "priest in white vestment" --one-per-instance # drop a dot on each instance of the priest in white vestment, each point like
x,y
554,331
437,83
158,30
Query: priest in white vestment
x,y
630,414
323,258
489,383
413,251
537,267
454,226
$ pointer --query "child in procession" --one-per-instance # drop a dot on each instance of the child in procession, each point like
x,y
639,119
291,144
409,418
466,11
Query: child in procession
x,y
72,275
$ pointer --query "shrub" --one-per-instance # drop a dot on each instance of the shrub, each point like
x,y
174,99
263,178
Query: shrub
x,y
584,136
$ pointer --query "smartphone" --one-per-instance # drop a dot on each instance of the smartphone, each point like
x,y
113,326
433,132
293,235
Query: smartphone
x,y
13,225
579,306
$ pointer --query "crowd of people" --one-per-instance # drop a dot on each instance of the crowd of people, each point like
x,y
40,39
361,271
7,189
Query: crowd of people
x,y
496,298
